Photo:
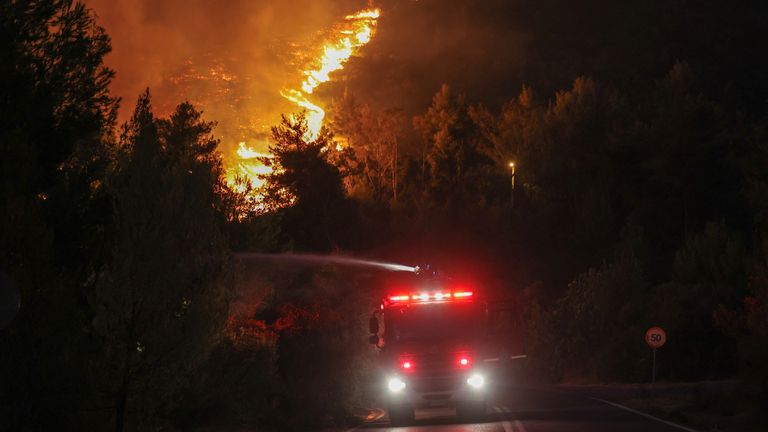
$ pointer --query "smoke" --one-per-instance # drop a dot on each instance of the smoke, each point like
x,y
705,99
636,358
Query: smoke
x,y
230,58
476,46
233,58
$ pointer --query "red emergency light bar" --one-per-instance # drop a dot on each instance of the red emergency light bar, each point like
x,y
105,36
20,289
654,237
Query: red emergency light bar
x,y
431,296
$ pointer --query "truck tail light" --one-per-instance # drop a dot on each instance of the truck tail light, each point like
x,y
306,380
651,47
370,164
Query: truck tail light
x,y
405,363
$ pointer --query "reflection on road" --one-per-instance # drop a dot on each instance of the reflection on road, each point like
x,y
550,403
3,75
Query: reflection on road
x,y
444,419
536,410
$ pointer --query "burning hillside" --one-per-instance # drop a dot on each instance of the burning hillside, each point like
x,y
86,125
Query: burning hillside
x,y
345,39
244,64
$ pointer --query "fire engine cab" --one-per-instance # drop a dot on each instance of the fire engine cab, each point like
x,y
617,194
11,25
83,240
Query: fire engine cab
x,y
435,349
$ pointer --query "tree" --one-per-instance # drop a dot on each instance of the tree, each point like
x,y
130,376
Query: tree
x,y
307,186
159,303
57,116
58,103
454,170
710,273
606,303
511,135
374,140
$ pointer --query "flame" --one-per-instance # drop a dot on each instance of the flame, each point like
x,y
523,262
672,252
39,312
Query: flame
x,y
249,167
346,39
356,31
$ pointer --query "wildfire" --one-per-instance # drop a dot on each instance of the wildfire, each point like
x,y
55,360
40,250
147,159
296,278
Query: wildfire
x,y
356,31
249,165
346,39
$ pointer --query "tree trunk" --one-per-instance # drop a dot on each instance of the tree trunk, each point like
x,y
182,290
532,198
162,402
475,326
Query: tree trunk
x,y
122,401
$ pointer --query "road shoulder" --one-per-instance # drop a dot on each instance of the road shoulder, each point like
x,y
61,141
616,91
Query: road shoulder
x,y
699,406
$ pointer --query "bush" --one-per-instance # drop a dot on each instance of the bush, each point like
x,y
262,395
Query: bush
x,y
595,330
709,273
322,353
237,387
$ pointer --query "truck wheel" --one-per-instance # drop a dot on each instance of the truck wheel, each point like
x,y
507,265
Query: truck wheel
x,y
401,415
471,411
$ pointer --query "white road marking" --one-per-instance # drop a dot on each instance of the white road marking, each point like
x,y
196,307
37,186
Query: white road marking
x,y
520,426
504,423
507,423
507,426
640,413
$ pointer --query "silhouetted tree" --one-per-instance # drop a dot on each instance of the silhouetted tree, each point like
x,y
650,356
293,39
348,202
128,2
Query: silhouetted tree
x,y
56,117
374,142
710,272
452,164
160,302
309,189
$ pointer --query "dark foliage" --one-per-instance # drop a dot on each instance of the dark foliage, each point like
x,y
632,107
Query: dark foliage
x,y
638,199
306,188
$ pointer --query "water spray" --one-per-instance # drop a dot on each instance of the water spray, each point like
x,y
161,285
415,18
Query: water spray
x,y
328,259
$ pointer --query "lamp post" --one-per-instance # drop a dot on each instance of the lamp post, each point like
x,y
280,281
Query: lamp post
x,y
512,190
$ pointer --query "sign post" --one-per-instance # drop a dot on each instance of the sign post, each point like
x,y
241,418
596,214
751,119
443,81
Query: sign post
x,y
655,337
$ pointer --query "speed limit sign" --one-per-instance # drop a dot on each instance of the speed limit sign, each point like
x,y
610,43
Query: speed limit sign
x,y
655,337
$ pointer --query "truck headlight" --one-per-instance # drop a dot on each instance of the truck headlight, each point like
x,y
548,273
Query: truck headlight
x,y
476,380
395,384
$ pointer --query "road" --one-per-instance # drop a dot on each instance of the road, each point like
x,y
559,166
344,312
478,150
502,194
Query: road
x,y
537,410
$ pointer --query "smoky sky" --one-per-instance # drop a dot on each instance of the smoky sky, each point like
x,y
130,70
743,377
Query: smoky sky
x,y
233,57
229,57
474,46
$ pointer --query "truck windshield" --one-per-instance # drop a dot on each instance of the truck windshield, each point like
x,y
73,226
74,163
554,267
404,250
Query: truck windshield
x,y
435,322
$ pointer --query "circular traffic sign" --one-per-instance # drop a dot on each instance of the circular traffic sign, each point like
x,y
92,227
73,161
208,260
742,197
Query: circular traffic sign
x,y
655,337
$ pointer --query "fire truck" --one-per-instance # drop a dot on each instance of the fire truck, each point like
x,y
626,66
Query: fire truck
x,y
439,343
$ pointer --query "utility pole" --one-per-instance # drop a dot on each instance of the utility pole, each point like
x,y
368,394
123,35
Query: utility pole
x,y
512,190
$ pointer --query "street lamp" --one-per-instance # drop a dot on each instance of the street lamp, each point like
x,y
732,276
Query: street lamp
x,y
512,190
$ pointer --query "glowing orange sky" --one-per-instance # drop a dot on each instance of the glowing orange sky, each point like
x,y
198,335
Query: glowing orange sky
x,y
230,58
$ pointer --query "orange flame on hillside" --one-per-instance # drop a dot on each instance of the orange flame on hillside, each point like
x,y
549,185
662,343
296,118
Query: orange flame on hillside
x,y
356,31
250,166
346,39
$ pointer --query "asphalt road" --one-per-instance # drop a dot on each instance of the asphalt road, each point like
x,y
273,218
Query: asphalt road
x,y
536,410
